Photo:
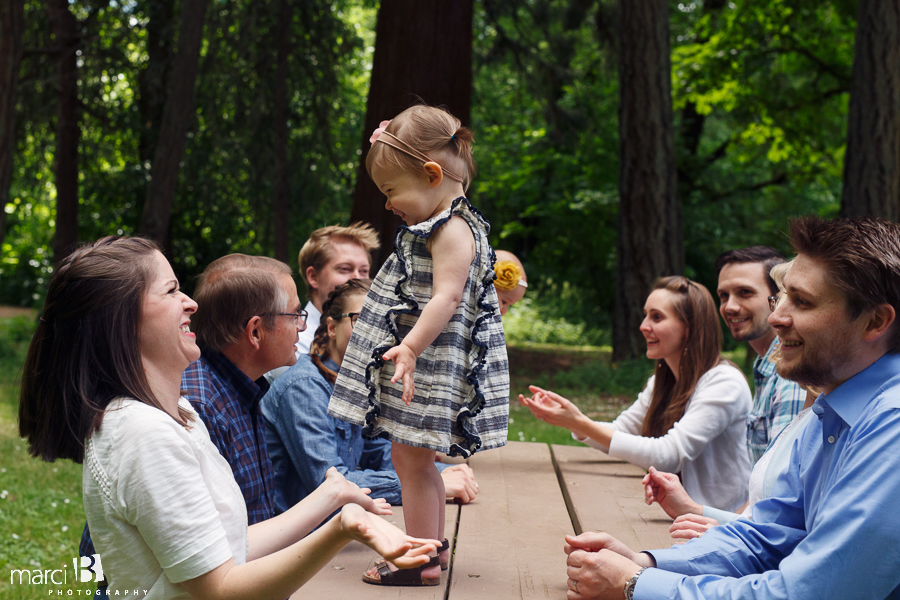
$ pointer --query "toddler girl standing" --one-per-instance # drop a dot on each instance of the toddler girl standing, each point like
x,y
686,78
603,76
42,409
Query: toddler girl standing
x,y
432,310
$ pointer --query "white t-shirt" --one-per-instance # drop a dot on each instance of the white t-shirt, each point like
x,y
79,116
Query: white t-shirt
x,y
708,445
304,339
161,502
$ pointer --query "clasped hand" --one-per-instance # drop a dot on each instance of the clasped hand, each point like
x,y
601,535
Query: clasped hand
x,y
599,565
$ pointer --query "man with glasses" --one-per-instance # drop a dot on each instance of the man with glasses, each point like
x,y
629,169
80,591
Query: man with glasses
x,y
247,320
744,288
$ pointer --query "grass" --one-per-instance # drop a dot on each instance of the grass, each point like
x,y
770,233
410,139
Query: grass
x,y
41,510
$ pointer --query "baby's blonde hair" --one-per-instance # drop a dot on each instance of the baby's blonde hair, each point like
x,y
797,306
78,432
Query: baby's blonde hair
x,y
433,132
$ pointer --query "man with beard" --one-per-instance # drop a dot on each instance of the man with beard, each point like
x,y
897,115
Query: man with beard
x,y
743,290
829,528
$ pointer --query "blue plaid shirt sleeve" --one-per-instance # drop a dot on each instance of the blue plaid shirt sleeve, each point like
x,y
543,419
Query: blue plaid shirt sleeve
x,y
227,402
776,401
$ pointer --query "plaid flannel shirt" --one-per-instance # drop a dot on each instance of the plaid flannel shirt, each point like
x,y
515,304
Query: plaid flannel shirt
x,y
776,401
228,403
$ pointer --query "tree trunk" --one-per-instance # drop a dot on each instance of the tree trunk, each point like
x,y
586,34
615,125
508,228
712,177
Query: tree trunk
x,y
423,52
160,30
282,203
68,133
12,22
177,116
872,162
650,236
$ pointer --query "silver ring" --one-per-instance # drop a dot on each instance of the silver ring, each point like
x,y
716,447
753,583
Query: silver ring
x,y
575,585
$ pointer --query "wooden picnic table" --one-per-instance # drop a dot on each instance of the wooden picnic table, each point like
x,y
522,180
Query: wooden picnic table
x,y
508,543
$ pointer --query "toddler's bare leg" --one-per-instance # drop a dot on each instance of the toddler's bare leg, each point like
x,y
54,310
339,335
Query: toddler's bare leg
x,y
423,494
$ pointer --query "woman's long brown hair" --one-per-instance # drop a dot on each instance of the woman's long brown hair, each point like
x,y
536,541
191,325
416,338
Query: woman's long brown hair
x,y
694,306
85,351
334,306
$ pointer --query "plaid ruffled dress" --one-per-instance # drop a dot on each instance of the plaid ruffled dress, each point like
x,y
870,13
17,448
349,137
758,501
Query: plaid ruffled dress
x,y
461,403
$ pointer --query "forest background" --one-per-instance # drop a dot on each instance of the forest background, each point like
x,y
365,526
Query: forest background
x,y
249,118
617,141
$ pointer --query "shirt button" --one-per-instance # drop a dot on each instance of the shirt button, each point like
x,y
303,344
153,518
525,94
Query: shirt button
x,y
830,439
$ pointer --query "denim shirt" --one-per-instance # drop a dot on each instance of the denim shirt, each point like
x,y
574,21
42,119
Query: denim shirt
x,y
304,441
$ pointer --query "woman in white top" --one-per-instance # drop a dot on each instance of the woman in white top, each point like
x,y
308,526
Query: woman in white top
x,y
693,519
690,418
101,386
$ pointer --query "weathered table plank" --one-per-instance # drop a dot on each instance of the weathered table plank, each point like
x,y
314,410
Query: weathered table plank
x,y
341,579
605,494
510,538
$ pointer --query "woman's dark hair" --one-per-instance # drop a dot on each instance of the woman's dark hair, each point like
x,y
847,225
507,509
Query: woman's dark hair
x,y
85,351
334,306
693,306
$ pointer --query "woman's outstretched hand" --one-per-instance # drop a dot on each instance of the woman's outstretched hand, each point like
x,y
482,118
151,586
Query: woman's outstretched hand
x,y
404,360
551,408
402,550
347,492
665,489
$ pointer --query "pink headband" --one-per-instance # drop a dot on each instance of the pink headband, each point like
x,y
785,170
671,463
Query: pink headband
x,y
407,149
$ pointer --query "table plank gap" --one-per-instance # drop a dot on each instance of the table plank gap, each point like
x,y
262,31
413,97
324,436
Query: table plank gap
x,y
511,536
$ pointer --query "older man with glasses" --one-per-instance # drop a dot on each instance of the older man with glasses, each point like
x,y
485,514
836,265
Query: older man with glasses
x,y
246,323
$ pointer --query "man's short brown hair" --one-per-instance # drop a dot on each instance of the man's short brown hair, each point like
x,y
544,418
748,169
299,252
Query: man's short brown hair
x,y
232,290
317,250
767,256
862,256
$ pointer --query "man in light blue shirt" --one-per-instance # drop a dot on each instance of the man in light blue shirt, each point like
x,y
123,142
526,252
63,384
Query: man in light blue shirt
x,y
829,529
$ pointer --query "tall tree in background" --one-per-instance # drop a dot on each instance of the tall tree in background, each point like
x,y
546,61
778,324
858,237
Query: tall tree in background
x,y
177,116
282,204
160,27
68,133
872,163
11,26
650,236
423,50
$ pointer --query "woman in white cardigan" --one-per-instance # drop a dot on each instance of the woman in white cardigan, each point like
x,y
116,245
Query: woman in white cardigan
x,y
690,418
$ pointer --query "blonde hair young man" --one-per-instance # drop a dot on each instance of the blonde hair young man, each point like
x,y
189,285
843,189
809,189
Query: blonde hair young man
x,y
331,256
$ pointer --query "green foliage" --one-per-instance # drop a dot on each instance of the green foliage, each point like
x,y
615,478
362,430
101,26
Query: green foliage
x,y
544,114
759,93
530,322
224,199
768,83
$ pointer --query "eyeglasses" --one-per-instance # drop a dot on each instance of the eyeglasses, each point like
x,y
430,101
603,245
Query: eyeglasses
x,y
773,302
353,318
299,318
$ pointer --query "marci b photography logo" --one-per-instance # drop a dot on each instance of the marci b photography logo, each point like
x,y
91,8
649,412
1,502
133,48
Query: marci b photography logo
x,y
85,569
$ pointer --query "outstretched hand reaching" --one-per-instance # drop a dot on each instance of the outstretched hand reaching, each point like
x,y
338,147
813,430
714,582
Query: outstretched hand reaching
x,y
347,492
402,550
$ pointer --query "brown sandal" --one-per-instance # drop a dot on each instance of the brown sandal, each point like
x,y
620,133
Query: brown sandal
x,y
445,564
403,577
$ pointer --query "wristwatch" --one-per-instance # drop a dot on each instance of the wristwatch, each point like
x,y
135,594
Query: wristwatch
x,y
628,590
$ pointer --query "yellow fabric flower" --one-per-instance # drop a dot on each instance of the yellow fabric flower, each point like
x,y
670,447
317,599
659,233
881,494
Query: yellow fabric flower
x,y
508,275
